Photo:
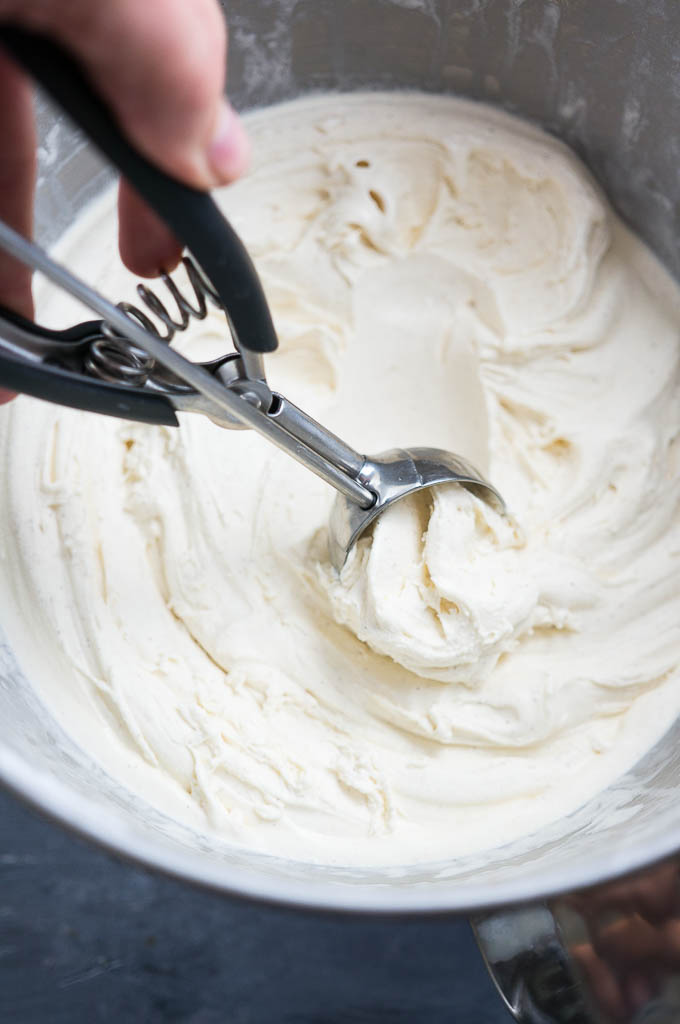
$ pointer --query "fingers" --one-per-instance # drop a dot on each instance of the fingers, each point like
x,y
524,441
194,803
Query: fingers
x,y
654,895
630,941
146,245
17,174
161,66
168,95
634,939
601,981
624,966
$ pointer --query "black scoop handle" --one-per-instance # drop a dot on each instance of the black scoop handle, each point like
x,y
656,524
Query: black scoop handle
x,y
191,215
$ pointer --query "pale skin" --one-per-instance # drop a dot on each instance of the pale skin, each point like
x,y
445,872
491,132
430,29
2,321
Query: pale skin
x,y
161,66
633,946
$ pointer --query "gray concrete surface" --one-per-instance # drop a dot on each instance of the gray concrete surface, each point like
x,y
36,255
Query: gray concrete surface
x,y
84,938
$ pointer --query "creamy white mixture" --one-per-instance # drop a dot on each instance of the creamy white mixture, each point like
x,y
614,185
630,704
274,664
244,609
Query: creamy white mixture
x,y
440,275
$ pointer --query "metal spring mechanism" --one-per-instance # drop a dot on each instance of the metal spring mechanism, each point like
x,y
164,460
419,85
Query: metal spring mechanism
x,y
115,359
118,361
203,291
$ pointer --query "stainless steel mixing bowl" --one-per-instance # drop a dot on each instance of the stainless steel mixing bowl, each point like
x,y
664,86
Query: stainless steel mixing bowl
x,y
605,76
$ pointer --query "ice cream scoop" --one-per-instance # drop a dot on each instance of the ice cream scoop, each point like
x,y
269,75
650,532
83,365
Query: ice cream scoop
x,y
123,365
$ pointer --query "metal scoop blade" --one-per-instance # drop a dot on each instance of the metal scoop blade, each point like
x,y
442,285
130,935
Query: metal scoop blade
x,y
393,475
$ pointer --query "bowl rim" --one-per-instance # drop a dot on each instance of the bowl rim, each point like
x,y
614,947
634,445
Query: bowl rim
x,y
82,817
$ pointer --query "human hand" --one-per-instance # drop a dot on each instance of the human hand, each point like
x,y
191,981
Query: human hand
x,y
160,65
633,944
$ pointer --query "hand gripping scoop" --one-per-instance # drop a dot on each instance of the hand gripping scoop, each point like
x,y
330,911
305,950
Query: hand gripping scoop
x,y
122,366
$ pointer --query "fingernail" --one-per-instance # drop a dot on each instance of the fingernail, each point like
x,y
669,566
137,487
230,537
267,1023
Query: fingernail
x,y
229,150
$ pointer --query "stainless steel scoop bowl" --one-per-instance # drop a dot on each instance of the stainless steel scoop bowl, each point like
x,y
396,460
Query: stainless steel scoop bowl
x,y
366,485
393,475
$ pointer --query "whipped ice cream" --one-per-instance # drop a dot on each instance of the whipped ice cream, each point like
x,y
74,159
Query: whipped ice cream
x,y
440,274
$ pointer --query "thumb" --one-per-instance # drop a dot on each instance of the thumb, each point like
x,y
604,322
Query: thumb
x,y
160,65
